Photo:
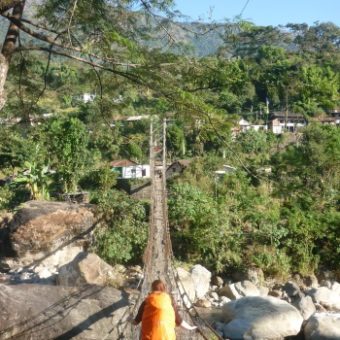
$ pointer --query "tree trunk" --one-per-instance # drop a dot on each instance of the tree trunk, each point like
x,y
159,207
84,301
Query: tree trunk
x,y
3,75
7,50
6,5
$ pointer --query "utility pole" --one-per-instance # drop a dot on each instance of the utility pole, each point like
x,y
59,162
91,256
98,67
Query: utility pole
x,y
151,151
286,113
164,148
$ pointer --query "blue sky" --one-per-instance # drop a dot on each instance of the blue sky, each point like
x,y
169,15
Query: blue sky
x,y
263,12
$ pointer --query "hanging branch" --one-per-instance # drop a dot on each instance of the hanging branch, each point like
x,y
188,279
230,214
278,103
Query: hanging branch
x,y
52,40
129,76
70,21
6,5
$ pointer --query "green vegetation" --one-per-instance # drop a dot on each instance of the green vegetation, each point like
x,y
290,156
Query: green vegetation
x,y
277,210
123,232
283,222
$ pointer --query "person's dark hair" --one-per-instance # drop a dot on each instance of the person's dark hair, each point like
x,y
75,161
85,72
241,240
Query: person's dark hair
x,y
158,285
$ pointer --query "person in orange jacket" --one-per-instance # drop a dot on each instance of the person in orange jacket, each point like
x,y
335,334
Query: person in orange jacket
x,y
159,315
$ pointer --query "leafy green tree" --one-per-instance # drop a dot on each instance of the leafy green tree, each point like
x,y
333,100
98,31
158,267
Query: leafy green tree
x,y
199,229
36,178
175,139
68,139
319,88
309,189
122,234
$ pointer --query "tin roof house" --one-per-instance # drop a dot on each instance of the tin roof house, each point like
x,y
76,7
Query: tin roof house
x,y
128,169
286,122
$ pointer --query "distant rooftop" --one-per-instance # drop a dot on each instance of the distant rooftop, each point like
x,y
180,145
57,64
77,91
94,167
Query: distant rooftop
x,y
123,163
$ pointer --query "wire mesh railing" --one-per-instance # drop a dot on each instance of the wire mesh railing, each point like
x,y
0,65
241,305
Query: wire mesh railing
x,y
159,226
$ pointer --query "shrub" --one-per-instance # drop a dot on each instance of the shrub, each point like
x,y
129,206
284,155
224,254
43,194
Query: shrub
x,y
122,235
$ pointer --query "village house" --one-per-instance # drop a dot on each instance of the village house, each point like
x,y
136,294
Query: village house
x,y
128,169
281,122
244,125
332,119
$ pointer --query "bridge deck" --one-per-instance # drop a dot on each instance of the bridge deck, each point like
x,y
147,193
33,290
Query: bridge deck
x,y
158,254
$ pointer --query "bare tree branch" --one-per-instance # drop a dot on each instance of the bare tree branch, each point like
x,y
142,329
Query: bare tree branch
x,y
70,21
6,5
51,40
129,76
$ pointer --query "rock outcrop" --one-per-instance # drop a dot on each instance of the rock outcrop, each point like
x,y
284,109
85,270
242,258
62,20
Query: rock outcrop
x,y
255,317
201,277
41,227
186,286
323,326
88,268
239,289
327,297
54,312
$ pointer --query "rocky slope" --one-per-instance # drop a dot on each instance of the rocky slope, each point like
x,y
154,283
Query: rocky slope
x,y
52,287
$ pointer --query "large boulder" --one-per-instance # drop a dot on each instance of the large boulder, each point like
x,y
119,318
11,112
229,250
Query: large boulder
x,y
229,291
41,227
306,306
88,268
201,277
292,290
326,297
186,286
255,317
335,287
239,289
323,326
247,288
53,312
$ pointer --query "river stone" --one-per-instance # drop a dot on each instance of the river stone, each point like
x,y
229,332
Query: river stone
x,y
311,281
255,275
336,287
263,291
262,318
323,326
201,277
217,281
229,291
186,286
306,306
204,303
292,289
214,296
326,297
89,268
247,288
40,312
57,259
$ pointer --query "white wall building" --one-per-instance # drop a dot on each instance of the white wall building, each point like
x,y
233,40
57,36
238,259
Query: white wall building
x,y
88,97
127,169
136,171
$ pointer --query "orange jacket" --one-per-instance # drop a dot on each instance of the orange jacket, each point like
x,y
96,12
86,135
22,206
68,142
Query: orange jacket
x,y
158,320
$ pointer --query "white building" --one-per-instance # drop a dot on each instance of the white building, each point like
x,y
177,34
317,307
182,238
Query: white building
x,y
88,97
245,126
286,122
127,169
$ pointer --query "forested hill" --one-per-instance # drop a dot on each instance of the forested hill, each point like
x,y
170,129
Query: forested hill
x,y
189,38
232,39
